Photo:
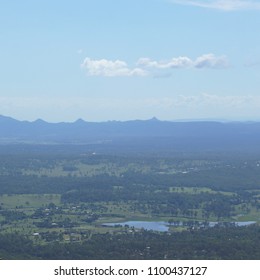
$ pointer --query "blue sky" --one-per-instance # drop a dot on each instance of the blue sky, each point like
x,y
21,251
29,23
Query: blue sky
x,y
130,59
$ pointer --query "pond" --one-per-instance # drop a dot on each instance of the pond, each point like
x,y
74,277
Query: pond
x,y
164,226
157,226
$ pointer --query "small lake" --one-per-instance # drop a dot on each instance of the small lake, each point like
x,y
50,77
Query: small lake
x,y
157,226
164,226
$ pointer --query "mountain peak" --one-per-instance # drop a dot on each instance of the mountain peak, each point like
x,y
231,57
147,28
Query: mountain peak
x,y
39,121
154,119
79,121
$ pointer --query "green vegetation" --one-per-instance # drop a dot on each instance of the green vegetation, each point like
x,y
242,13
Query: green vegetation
x,y
51,203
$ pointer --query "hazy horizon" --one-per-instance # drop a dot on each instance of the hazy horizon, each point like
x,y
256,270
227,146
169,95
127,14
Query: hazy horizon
x,y
137,119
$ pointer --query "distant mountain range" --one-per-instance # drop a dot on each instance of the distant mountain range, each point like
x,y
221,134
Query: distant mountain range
x,y
146,133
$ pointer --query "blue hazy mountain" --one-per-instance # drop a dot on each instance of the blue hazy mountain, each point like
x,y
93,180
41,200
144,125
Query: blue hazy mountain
x,y
151,133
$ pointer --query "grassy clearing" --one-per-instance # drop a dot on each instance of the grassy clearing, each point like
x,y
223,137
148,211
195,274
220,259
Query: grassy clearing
x,y
28,200
78,169
197,190
251,215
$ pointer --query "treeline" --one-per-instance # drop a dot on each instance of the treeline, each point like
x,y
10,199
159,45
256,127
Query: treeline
x,y
219,179
213,243
233,174
216,179
18,184
149,199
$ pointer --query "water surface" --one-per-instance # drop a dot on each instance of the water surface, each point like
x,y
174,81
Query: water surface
x,y
157,226
164,226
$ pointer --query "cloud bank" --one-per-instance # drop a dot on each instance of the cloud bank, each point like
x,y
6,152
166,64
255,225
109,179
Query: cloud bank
x,y
204,61
225,5
146,66
109,68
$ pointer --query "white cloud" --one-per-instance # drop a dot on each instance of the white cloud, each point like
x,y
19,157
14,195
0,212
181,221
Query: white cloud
x,y
179,62
211,61
147,66
204,61
109,68
225,5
